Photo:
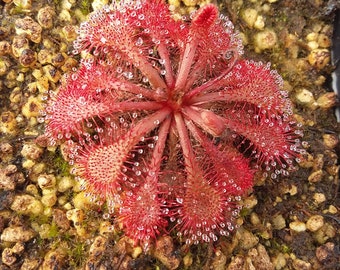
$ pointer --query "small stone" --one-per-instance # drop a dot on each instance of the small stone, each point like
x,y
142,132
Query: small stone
x,y
4,65
219,261
65,183
237,262
259,23
297,226
265,39
59,217
18,248
58,59
8,123
301,265
44,56
54,259
278,222
327,100
17,234
324,41
5,47
27,205
45,17
69,33
314,223
105,227
260,258
306,98
187,260
312,45
28,58
81,201
47,181
312,36
318,162
32,108
6,151
319,58
247,240
31,151
52,73
75,215
30,264
249,16
98,247
10,177
98,4
325,252
164,251
19,43
279,261
330,140
8,257
319,198
332,209
49,199
254,219
27,26
315,177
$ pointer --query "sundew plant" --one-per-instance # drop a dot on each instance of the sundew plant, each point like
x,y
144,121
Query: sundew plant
x,y
167,123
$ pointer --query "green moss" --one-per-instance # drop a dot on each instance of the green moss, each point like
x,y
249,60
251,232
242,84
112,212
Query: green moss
x,y
54,231
244,212
280,246
84,6
77,254
59,164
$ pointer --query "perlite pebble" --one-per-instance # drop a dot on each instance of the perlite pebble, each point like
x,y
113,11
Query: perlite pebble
x,y
297,226
249,16
265,39
46,181
300,264
98,4
27,26
306,98
247,240
27,205
279,261
49,199
315,177
319,58
65,183
33,107
330,140
17,234
31,151
319,198
278,222
314,223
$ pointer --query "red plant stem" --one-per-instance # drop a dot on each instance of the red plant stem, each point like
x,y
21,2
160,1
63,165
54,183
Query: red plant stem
x,y
157,154
169,75
213,83
149,123
135,106
188,152
146,68
186,62
125,86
